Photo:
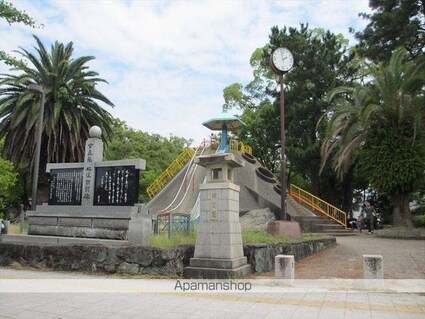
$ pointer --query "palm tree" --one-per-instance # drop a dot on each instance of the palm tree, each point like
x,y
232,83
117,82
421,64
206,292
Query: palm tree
x,y
380,126
71,107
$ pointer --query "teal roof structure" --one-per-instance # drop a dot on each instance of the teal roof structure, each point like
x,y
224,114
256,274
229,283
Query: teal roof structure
x,y
216,123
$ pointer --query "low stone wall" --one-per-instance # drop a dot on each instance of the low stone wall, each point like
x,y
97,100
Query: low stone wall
x,y
137,260
261,256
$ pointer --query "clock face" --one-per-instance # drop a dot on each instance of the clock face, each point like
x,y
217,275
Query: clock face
x,y
282,59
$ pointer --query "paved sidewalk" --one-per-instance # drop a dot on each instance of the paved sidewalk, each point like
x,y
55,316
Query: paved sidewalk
x,y
86,296
329,305
64,295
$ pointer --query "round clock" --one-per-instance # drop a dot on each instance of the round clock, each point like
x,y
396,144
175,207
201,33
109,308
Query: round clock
x,y
281,60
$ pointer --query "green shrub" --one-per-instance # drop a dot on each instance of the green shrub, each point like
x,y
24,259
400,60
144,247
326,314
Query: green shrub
x,y
7,184
419,221
420,210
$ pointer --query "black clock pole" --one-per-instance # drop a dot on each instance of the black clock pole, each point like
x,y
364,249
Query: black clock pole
x,y
282,153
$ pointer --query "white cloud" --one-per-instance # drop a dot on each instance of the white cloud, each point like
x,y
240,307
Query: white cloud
x,y
167,62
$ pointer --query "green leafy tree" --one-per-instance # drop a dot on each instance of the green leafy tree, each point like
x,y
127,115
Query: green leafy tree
x,y
382,126
393,24
71,108
7,182
259,114
260,133
13,15
8,179
322,62
158,151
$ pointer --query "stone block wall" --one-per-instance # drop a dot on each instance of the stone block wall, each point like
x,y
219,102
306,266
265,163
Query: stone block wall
x,y
139,260
107,222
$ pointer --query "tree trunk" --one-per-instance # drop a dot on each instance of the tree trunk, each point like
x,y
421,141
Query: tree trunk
x,y
347,191
314,174
401,211
43,176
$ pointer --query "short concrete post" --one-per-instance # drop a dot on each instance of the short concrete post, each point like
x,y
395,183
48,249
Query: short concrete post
x,y
284,267
5,224
373,267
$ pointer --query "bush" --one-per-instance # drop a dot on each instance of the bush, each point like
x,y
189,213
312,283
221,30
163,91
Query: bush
x,y
419,221
420,209
7,183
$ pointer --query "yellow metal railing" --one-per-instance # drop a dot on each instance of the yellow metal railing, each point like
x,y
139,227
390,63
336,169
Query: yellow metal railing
x,y
181,160
318,205
239,146
170,172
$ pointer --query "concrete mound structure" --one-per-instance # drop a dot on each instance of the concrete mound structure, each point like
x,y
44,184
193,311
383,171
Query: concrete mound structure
x,y
259,189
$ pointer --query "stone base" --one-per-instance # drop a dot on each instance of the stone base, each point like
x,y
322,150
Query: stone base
x,y
204,268
60,241
284,227
139,230
104,222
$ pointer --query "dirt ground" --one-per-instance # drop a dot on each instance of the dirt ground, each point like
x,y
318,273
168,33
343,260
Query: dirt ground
x,y
402,259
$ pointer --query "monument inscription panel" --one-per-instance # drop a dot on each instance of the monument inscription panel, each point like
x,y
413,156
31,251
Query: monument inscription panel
x,y
116,186
65,187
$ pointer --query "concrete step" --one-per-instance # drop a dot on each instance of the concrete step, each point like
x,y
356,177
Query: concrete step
x,y
335,234
56,240
317,219
341,234
329,226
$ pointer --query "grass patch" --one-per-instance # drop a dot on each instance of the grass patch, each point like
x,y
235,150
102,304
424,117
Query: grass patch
x,y
15,228
162,240
253,237
402,232
248,237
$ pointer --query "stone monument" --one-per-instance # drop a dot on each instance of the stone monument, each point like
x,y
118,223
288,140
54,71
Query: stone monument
x,y
94,199
219,250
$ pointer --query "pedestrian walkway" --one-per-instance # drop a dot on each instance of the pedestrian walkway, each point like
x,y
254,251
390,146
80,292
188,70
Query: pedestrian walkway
x,y
319,292
33,294
326,305
403,259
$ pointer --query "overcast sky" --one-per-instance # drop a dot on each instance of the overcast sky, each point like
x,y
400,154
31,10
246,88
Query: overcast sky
x,y
167,62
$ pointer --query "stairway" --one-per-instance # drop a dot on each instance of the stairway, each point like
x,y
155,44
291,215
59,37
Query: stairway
x,y
312,223
324,217
322,224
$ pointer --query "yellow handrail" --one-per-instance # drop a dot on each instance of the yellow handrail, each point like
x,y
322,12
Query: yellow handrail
x,y
239,146
169,172
319,205
180,161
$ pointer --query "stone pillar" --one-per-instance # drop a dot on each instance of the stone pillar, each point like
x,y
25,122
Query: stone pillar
x,y
284,266
219,230
373,267
140,226
93,153
219,250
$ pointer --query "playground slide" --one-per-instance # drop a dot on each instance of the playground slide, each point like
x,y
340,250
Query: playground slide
x,y
181,193
258,190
